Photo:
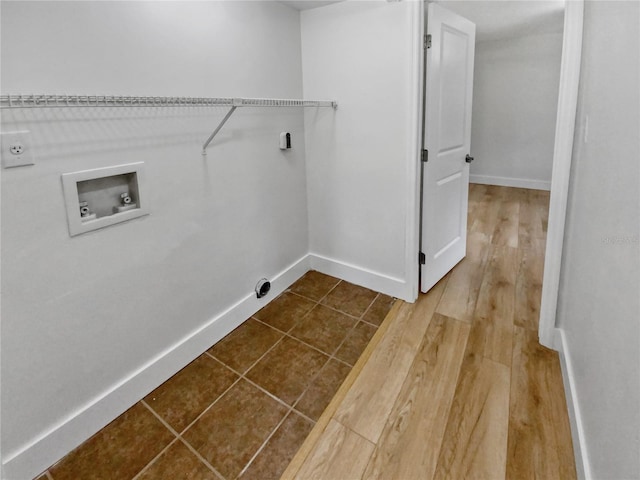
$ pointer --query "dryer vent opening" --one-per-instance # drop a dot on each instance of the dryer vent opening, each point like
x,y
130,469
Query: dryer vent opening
x,y
263,287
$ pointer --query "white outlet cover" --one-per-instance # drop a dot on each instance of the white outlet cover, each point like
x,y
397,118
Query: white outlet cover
x,y
11,160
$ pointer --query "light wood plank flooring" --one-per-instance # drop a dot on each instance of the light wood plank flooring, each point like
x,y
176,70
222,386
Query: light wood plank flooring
x,y
456,385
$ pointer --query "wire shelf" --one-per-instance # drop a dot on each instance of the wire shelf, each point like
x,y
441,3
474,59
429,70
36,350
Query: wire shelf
x,y
50,101
58,101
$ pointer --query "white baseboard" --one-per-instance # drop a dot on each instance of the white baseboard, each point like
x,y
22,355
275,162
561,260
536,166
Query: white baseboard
x,y
510,182
575,419
59,440
379,282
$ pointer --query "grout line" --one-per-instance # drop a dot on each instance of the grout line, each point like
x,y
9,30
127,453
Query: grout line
x,y
345,339
287,334
331,356
275,397
340,311
159,417
209,407
360,319
275,328
301,296
178,438
153,460
264,444
268,393
315,304
341,361
332,308
321,298
370,305
312,439
303,415
201,458
330,290
311,380
242,376
262,389
369,323
254,363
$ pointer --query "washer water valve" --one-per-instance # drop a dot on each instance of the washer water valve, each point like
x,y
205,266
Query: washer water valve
x,y
126,203
85,212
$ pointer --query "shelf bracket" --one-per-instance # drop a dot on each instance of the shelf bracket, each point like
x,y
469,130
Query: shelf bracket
x,y
215,132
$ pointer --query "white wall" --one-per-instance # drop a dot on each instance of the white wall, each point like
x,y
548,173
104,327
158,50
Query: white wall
x,y
92,323
361,159
515,94
599,299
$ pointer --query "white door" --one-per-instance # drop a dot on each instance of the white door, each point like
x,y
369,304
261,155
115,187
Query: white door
x,y
447,136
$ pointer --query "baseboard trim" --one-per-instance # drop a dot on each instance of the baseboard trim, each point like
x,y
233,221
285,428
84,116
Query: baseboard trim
x,y
379,282
59,440
575,418
510,182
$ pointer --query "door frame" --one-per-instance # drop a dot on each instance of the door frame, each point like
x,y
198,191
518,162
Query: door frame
x,y
561,170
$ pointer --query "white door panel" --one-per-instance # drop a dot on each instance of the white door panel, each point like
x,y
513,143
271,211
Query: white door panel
x,y
447,137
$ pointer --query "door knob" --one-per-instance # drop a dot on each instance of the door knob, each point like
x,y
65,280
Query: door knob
x,y
468,158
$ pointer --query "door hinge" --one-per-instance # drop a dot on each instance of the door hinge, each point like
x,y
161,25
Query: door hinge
x,y
422,258
427,41
425,155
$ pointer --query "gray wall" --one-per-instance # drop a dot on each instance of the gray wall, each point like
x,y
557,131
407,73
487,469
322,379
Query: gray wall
x,y
361,161
515,101
82,316
599,298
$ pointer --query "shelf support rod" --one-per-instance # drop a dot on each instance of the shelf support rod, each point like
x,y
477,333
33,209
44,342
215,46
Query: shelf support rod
x,y
224,120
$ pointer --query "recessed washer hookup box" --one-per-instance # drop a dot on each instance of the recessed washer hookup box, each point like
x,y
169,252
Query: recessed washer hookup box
x,y
102,197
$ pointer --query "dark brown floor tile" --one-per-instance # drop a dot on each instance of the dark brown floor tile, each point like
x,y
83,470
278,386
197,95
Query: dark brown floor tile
x,y
119,450
272,461
288,369
246,344
355,343
323,388
190,391
350,298
323,328
378,311
285,311
231,431
178,462
314,285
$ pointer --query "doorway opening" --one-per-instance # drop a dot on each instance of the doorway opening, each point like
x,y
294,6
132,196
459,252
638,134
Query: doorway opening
x,y
567,28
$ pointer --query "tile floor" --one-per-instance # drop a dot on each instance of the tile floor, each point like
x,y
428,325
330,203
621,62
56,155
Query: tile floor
x,y
243,408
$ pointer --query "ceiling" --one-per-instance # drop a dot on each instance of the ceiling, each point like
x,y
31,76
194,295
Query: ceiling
x,y
494,19
307,4
503,19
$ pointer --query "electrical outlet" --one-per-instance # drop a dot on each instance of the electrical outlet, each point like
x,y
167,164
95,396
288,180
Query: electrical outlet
x,y
15,149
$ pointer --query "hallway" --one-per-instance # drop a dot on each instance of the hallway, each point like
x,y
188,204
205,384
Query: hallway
x,y
456,385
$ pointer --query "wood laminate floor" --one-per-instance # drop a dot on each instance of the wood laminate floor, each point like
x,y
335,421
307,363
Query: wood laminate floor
x,y
456,385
